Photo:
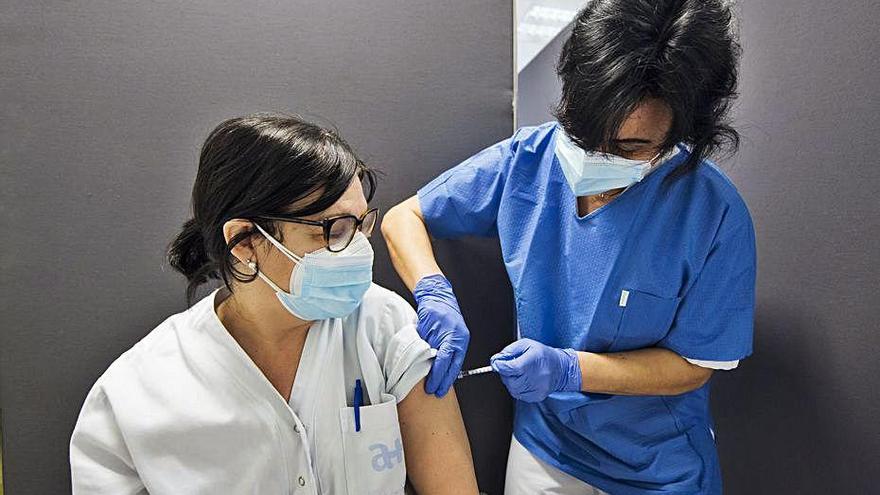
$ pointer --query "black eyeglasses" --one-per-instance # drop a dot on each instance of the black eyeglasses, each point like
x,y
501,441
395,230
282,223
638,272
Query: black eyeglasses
x,y
338,231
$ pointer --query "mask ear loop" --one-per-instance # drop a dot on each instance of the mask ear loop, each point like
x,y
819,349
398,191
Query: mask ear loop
x,y
281,247
664,156
259,273
655,157
651,167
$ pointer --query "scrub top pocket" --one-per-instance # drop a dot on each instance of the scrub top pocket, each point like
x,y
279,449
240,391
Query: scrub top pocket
x,y
374,460
645,319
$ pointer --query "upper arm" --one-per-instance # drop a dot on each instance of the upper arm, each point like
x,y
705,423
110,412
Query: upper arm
x,y
431,428
435,443
99,459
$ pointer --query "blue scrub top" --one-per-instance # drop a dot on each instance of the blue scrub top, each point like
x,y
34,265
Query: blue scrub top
x,y
684,250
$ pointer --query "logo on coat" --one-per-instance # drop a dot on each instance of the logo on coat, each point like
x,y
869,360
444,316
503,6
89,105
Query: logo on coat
x,y
384,457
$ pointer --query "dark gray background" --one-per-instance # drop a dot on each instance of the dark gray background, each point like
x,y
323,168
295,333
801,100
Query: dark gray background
x,y
801,415
104,106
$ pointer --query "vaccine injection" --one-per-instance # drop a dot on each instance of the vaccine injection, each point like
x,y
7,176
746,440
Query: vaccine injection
x,y
477,371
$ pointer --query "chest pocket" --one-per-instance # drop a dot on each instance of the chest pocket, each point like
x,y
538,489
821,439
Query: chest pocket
x,y
374,461
644,320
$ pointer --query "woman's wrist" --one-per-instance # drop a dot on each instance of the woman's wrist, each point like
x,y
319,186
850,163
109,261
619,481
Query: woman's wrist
x,y
572,374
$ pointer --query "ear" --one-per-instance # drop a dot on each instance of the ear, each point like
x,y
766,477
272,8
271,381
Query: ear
x,y
244,250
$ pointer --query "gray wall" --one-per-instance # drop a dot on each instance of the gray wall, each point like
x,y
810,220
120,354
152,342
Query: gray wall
x,y
104,105
801,415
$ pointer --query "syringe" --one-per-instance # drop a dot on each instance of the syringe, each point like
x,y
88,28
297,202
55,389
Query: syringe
x,y
477,371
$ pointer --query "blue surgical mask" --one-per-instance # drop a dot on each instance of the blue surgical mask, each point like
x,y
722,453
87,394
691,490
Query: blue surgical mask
x,y
324,284
591,173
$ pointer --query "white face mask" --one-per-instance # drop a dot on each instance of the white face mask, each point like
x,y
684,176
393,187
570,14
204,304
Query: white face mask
x,y
589,173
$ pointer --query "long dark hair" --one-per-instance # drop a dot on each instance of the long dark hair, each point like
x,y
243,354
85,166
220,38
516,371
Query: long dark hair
x,y
684,52
254,166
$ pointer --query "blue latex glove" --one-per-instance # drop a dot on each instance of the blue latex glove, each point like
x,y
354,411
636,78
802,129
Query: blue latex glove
x,y
442,327
531,370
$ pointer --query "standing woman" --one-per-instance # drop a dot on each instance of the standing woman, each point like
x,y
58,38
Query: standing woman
x,y
299,375
631,256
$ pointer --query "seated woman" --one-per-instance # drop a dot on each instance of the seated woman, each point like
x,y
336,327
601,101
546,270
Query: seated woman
x,y
299,375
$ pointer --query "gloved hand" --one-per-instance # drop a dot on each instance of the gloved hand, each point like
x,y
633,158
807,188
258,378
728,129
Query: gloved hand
x,y
442,327
531,370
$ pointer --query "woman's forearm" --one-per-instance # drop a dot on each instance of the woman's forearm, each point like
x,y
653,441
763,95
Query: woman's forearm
x,y
650,371
409,244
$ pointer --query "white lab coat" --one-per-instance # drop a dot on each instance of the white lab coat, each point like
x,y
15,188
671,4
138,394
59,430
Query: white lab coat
x,y
185,411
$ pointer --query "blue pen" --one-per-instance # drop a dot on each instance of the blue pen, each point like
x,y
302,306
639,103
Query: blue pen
x,y
358,401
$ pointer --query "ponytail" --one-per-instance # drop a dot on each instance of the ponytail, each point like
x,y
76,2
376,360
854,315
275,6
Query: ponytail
x,y
187,255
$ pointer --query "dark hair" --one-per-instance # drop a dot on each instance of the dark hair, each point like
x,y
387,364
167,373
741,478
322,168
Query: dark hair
x,y
254,166
620,52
